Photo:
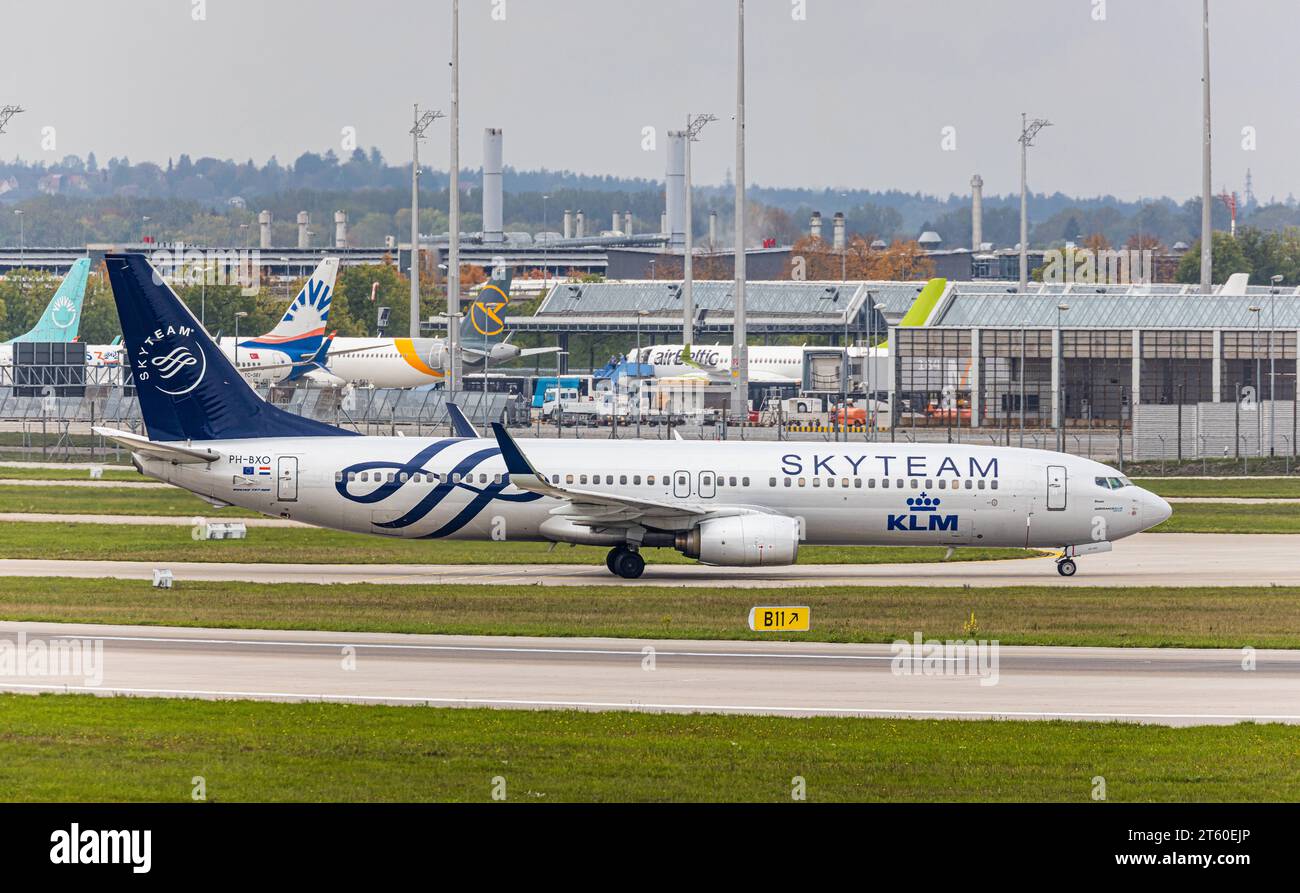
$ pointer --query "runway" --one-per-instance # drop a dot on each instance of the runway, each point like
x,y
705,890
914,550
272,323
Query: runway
x,y
1159,686
1149,559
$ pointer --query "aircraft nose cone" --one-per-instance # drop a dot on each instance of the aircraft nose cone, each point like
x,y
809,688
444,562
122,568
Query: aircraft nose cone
x,y
1154,510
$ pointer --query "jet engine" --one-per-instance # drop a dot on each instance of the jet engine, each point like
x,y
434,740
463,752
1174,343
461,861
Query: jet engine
x,y
437,357
742,541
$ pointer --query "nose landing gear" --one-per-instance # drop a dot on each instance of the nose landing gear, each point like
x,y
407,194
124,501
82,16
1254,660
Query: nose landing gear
x,y
625,562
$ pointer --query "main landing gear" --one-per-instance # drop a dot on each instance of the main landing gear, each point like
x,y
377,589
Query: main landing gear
x,y
1066,567
625,563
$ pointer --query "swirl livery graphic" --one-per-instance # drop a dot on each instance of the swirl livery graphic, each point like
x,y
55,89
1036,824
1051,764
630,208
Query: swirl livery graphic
x,y
402,472
174,362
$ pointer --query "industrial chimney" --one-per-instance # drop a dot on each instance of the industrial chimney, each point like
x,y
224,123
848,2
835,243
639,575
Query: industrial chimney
x,y
568,224
675,188
264,224
815,225
627,223
492,200
976,212
713,229
340,229
614,227
304,221
581,230
837,231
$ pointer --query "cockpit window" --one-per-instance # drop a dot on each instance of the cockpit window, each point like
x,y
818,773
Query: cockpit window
x,y
1113,483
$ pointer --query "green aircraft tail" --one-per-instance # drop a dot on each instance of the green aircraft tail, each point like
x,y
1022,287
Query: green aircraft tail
x,y
61,320
922,307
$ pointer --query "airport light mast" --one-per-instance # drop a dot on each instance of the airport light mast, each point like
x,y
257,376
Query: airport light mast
x,y
740,348
6,113
1207,227
1028,130
694,124
453,214
422,122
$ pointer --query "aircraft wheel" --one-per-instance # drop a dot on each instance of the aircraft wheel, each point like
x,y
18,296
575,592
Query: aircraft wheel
x,y
611,560
629,565
1066,567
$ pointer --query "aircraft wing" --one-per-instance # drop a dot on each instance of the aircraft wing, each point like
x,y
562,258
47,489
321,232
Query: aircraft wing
x,y
171,452
595,509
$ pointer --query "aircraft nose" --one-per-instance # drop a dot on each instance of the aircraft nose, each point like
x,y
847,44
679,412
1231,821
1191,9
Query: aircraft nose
x,y
1154,510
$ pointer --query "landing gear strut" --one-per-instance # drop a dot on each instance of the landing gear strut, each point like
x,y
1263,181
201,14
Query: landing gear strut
x,y
1066,567
625,563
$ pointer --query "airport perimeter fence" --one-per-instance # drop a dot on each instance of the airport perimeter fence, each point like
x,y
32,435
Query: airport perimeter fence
x,y
1239,430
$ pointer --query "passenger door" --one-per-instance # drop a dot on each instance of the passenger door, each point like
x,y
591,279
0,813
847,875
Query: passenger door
x,y
1056,488
286,482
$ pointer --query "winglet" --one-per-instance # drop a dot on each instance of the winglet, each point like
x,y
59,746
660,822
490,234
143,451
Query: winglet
x,y
459,423
516,462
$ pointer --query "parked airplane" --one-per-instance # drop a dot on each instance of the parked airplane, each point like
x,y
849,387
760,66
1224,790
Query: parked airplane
x,y
724,503
61,320
411,362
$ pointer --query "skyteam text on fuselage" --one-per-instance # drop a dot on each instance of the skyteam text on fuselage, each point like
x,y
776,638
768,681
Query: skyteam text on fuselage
x,y
723,503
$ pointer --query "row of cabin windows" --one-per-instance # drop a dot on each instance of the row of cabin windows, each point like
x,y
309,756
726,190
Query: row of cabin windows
x,y
635,479
402,477
650,479
899,483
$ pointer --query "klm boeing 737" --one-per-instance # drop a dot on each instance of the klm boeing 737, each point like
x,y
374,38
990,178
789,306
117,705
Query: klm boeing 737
x,y
726,504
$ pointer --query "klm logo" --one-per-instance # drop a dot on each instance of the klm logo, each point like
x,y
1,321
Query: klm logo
x,y
922,514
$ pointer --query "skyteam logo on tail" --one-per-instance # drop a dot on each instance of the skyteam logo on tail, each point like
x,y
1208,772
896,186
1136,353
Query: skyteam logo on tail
x,y
171,360
922,515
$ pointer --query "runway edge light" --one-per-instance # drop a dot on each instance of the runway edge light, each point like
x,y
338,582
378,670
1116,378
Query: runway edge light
x,y
776,618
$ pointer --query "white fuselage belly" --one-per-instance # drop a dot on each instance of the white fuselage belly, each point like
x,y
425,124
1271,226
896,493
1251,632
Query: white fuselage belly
x,y
844,494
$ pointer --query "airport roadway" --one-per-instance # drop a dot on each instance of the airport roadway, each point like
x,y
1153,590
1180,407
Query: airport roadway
x,y
1160,686
1149,559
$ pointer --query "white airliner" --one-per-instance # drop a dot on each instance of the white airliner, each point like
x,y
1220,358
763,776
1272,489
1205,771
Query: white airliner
x,y
724,503
768,364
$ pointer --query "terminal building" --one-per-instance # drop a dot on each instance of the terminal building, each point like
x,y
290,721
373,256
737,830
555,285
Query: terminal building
x,y
1087,355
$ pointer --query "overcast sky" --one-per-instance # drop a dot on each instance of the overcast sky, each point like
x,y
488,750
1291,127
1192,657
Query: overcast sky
x,y
856,95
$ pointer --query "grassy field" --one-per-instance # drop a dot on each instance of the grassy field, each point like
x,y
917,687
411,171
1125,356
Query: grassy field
x,y
110,501
1240,487
29,473
82,748
1214,517
312,546
1263,617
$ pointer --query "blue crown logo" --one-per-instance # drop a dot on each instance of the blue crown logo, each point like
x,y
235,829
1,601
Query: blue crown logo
x,y
923,502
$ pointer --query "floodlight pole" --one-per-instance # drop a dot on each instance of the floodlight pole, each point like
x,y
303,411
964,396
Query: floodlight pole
x,y
740,349
453,213
1207,227
422,123
1028,130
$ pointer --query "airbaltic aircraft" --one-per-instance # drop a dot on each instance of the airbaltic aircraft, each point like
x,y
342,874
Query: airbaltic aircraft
x,y
725,503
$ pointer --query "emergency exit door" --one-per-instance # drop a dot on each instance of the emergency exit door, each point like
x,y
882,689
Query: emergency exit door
x,y
286,483
1056,488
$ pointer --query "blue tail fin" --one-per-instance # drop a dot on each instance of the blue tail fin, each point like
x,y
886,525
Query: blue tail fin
x,y
188,390
62,317
484,321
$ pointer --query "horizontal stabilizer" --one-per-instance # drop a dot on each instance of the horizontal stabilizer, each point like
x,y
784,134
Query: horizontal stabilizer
x,y
171,452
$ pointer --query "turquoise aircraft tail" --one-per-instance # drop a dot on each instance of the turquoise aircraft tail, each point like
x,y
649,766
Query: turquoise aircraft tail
x,y
61,320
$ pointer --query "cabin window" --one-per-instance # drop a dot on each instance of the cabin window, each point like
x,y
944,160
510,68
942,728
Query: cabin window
x,y
365,475
390,477
456,478
817,482
582,479
338,476
993,485
787,482
352,475
969,483
622,479
636,479
609,479
568,479
771,482
943,485
916,485
857,483
981,485
744,482
929,485
871,483
844,482
803,482
899,483
496,478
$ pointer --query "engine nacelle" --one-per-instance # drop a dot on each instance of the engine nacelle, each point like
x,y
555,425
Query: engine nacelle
x,y
437,356
742,541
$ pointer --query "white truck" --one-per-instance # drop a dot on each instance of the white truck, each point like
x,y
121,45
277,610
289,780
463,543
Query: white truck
x,y
565,406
